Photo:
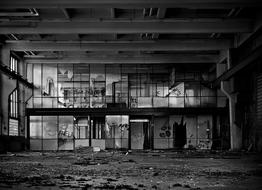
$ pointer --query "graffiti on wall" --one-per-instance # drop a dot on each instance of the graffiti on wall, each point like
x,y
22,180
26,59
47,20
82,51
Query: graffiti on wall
x,y
165,131
65,135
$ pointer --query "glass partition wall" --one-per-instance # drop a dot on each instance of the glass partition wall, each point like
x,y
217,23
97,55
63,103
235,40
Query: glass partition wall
x,y
72,132
97,86
120,132
133,86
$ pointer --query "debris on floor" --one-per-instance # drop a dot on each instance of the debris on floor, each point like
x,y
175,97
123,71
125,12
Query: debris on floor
x,y
87,169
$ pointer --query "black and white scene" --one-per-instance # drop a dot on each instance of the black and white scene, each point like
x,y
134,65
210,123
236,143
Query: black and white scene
x,y
130,94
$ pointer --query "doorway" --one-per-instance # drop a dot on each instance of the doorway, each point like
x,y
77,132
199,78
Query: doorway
x,y
139,134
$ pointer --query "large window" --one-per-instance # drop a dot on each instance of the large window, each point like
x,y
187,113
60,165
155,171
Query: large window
x,y
13,103
133,86
13,113
13,64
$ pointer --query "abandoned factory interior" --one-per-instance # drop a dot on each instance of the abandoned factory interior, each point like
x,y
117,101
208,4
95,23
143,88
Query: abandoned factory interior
x,y
159,76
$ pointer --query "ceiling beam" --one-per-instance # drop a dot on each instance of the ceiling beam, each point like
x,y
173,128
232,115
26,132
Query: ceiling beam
x,y
130,27
251,59
117,59
161,12
164,45
112,16
12,4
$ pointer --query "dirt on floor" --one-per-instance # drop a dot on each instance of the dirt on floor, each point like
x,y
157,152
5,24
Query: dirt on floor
x,y
86,169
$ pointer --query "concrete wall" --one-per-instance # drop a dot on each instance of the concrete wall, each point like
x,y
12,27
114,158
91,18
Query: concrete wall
x,y
7,85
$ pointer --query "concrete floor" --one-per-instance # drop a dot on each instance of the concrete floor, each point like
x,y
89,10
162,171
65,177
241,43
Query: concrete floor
x,y
136,170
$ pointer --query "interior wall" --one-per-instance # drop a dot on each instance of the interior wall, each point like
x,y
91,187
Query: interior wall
x,y
6,87
247,111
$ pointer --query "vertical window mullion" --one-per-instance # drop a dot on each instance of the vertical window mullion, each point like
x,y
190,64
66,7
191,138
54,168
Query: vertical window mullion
x,y
11,105
16,64
15,102
12,63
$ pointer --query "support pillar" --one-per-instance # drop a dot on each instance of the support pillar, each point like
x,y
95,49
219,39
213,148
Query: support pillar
x,y
227,88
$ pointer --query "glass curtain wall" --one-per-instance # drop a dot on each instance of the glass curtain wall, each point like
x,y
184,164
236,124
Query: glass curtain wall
x,y
133,86
177,131
59,132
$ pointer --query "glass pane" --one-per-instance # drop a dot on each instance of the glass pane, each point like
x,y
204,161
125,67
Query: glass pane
x,y
65,93
177,90
133,102
144,102
49,102
98,102
113,75
207,91
81,128
189,76
162,133
65,72
36,127
37,76
208,101
29,74
191,130
97,72
13,127
97,86
77,89
176,102
160,68
116,128
49,83
192,89
129,69
35,144
204,129
37,102
81,72
160,102
180,76
30,103
192,101
49,127
50,144
65,134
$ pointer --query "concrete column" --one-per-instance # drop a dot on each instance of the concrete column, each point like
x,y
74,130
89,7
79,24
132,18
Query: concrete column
x,y
235,131
227,88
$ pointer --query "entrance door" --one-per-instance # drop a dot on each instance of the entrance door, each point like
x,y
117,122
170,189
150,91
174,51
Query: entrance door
x,y
139,130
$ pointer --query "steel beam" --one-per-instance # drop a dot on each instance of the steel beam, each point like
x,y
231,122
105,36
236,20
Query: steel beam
x,y
130,27
207,4
165,45
243,64
117,59
7,71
